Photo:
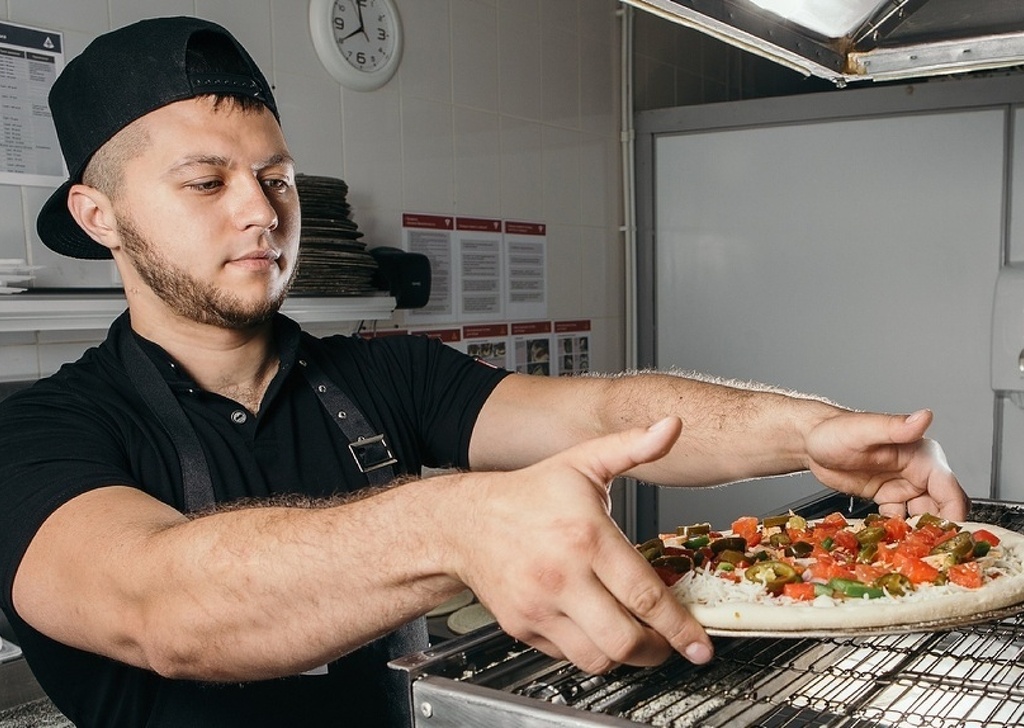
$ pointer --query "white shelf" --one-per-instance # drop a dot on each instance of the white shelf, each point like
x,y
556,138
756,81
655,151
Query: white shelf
x,y
74,312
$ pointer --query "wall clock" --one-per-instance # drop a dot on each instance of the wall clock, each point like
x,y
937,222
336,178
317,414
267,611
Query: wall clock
x,y
358,41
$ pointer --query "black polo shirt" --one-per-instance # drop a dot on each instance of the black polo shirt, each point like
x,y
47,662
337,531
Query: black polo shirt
x,y
87,427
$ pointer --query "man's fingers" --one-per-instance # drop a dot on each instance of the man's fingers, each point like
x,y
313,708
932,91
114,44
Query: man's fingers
x,y
631,581
603,458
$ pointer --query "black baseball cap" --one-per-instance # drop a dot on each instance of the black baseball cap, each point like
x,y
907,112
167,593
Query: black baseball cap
x,y
122,76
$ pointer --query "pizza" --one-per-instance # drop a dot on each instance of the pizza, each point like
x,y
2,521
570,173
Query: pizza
x,y
784,573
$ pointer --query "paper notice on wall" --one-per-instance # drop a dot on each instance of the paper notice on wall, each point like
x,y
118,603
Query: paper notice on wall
x,y
487,342
572,347
481,268
432,235
526,262
531,345
30,60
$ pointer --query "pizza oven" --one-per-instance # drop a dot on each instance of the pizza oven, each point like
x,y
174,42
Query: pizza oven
x,y
968,676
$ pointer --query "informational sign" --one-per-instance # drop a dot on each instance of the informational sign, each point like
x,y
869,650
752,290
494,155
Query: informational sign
x,y
431,235
487,342
572,347
531,343
30,60
481,268
526,256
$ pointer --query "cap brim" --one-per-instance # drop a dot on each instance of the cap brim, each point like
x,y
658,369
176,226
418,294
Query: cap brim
x,y
59,231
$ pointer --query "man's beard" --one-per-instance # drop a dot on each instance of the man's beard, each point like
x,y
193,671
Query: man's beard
x,y
191,298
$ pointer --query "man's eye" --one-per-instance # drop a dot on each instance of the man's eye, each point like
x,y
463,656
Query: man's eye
x,y
205,185
277,184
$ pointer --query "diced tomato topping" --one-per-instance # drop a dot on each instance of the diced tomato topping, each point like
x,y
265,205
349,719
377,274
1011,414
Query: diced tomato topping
x,y
918,571
668,576
915,546
745,526
845,540
928,533
867,573
801,591
825,569
885,554
966,575
835,520
982,535
895,528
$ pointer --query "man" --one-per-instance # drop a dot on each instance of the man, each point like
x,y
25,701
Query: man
x,y
188,536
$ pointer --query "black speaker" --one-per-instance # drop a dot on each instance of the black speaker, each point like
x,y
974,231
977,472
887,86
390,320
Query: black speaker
x,y
406,276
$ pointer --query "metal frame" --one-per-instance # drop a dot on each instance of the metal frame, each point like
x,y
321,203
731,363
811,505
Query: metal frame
x,y
1006,91
879,50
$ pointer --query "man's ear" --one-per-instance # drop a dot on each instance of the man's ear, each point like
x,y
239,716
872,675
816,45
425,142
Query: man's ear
x,y
94,213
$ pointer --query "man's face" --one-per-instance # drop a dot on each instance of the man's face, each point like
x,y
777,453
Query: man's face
x,y
208,215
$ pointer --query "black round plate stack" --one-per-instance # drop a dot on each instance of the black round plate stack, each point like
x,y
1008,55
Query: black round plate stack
x,y
332,260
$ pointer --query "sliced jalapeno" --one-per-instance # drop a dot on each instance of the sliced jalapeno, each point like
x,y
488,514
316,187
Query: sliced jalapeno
x,y
651,549
732,557
696,529
773,574
799,549
981,548
959,546
895,584
679,564
729,543
871,534
779,540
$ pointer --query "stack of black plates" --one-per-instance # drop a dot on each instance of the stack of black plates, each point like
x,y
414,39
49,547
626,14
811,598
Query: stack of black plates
x,y
332,260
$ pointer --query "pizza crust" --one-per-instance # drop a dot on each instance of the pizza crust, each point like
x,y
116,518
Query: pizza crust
x,y
897,613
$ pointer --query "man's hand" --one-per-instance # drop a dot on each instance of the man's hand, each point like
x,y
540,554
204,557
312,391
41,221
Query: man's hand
x,y
888,459
541,551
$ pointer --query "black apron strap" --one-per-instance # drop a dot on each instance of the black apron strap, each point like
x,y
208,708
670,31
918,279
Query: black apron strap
x,y
370,450
195,471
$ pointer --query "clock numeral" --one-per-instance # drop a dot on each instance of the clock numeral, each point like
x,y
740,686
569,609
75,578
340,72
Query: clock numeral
x,y
382,34
361,58
339,23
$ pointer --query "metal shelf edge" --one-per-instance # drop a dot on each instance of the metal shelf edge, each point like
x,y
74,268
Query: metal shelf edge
x,y
71,312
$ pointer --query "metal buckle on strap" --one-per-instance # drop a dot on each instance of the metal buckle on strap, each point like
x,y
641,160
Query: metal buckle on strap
x,y
372,453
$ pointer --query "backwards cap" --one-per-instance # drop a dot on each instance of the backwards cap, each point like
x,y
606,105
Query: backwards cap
x,y
124,75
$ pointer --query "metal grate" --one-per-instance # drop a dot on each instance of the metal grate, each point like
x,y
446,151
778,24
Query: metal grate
x,y
970,677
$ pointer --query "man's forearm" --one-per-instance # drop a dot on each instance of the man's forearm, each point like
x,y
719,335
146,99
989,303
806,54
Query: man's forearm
x,y
731,431
249,593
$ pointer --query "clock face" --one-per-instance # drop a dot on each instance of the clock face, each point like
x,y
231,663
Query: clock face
x,y
358,41
365,33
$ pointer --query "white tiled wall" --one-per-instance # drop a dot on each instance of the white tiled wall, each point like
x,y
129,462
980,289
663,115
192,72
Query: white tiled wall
x,y
501,108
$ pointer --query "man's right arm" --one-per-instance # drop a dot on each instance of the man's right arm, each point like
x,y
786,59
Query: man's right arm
x,y
260,592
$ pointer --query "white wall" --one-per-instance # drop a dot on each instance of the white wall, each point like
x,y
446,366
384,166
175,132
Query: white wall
x,y
501,108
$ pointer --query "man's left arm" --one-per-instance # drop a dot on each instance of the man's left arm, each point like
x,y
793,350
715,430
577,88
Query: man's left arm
x,y
730,432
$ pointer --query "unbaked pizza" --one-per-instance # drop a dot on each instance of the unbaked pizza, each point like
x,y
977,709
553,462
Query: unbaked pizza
x,y
785,574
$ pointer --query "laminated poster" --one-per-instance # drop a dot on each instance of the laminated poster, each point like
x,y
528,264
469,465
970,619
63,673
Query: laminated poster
x,y
30,60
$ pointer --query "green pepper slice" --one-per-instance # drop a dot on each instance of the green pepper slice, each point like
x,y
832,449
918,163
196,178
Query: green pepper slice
x,y
775,521
773,574
697,542
855,589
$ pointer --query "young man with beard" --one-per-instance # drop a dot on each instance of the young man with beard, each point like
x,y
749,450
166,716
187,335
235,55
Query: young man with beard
x,y
211,519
